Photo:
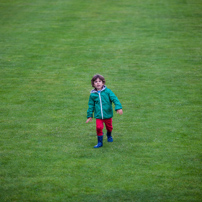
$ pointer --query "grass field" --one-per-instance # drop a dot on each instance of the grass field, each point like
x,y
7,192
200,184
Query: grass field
x,y
150,53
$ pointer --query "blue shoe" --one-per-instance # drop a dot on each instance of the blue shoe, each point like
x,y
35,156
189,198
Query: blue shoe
x,y
100,140
109,137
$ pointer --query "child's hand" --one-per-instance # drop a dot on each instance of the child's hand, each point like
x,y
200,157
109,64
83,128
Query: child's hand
x,y
89,119
119,111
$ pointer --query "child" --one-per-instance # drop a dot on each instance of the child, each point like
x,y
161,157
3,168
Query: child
x,y
100,103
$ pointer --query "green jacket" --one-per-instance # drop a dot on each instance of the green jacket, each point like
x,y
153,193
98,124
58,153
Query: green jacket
x,y
101,104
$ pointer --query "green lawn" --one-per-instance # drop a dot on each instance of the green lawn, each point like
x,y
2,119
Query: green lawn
x,y
150,53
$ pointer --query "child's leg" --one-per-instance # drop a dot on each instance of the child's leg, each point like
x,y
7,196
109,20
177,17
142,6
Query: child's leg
x,y
99,127
109,127
108,124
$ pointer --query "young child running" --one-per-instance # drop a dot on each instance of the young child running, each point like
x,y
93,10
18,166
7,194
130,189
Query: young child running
x,y
100,103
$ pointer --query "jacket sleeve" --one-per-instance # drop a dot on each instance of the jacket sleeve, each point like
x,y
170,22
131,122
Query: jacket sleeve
x,y
91,107
115,100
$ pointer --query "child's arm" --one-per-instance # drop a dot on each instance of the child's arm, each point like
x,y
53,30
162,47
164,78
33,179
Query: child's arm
x,y
91,107
115,100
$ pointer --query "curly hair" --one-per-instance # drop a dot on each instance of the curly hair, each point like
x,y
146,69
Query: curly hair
x,y
96,77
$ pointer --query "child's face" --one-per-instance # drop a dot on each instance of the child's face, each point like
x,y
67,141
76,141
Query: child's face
x,y
98,84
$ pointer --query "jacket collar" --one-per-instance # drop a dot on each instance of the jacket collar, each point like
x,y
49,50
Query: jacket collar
x,y
95,91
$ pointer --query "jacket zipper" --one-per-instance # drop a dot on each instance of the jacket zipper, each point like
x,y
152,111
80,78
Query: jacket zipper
x,y
101,104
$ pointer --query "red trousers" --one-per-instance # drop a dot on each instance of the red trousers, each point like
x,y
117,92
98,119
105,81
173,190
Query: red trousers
x,y
100,125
